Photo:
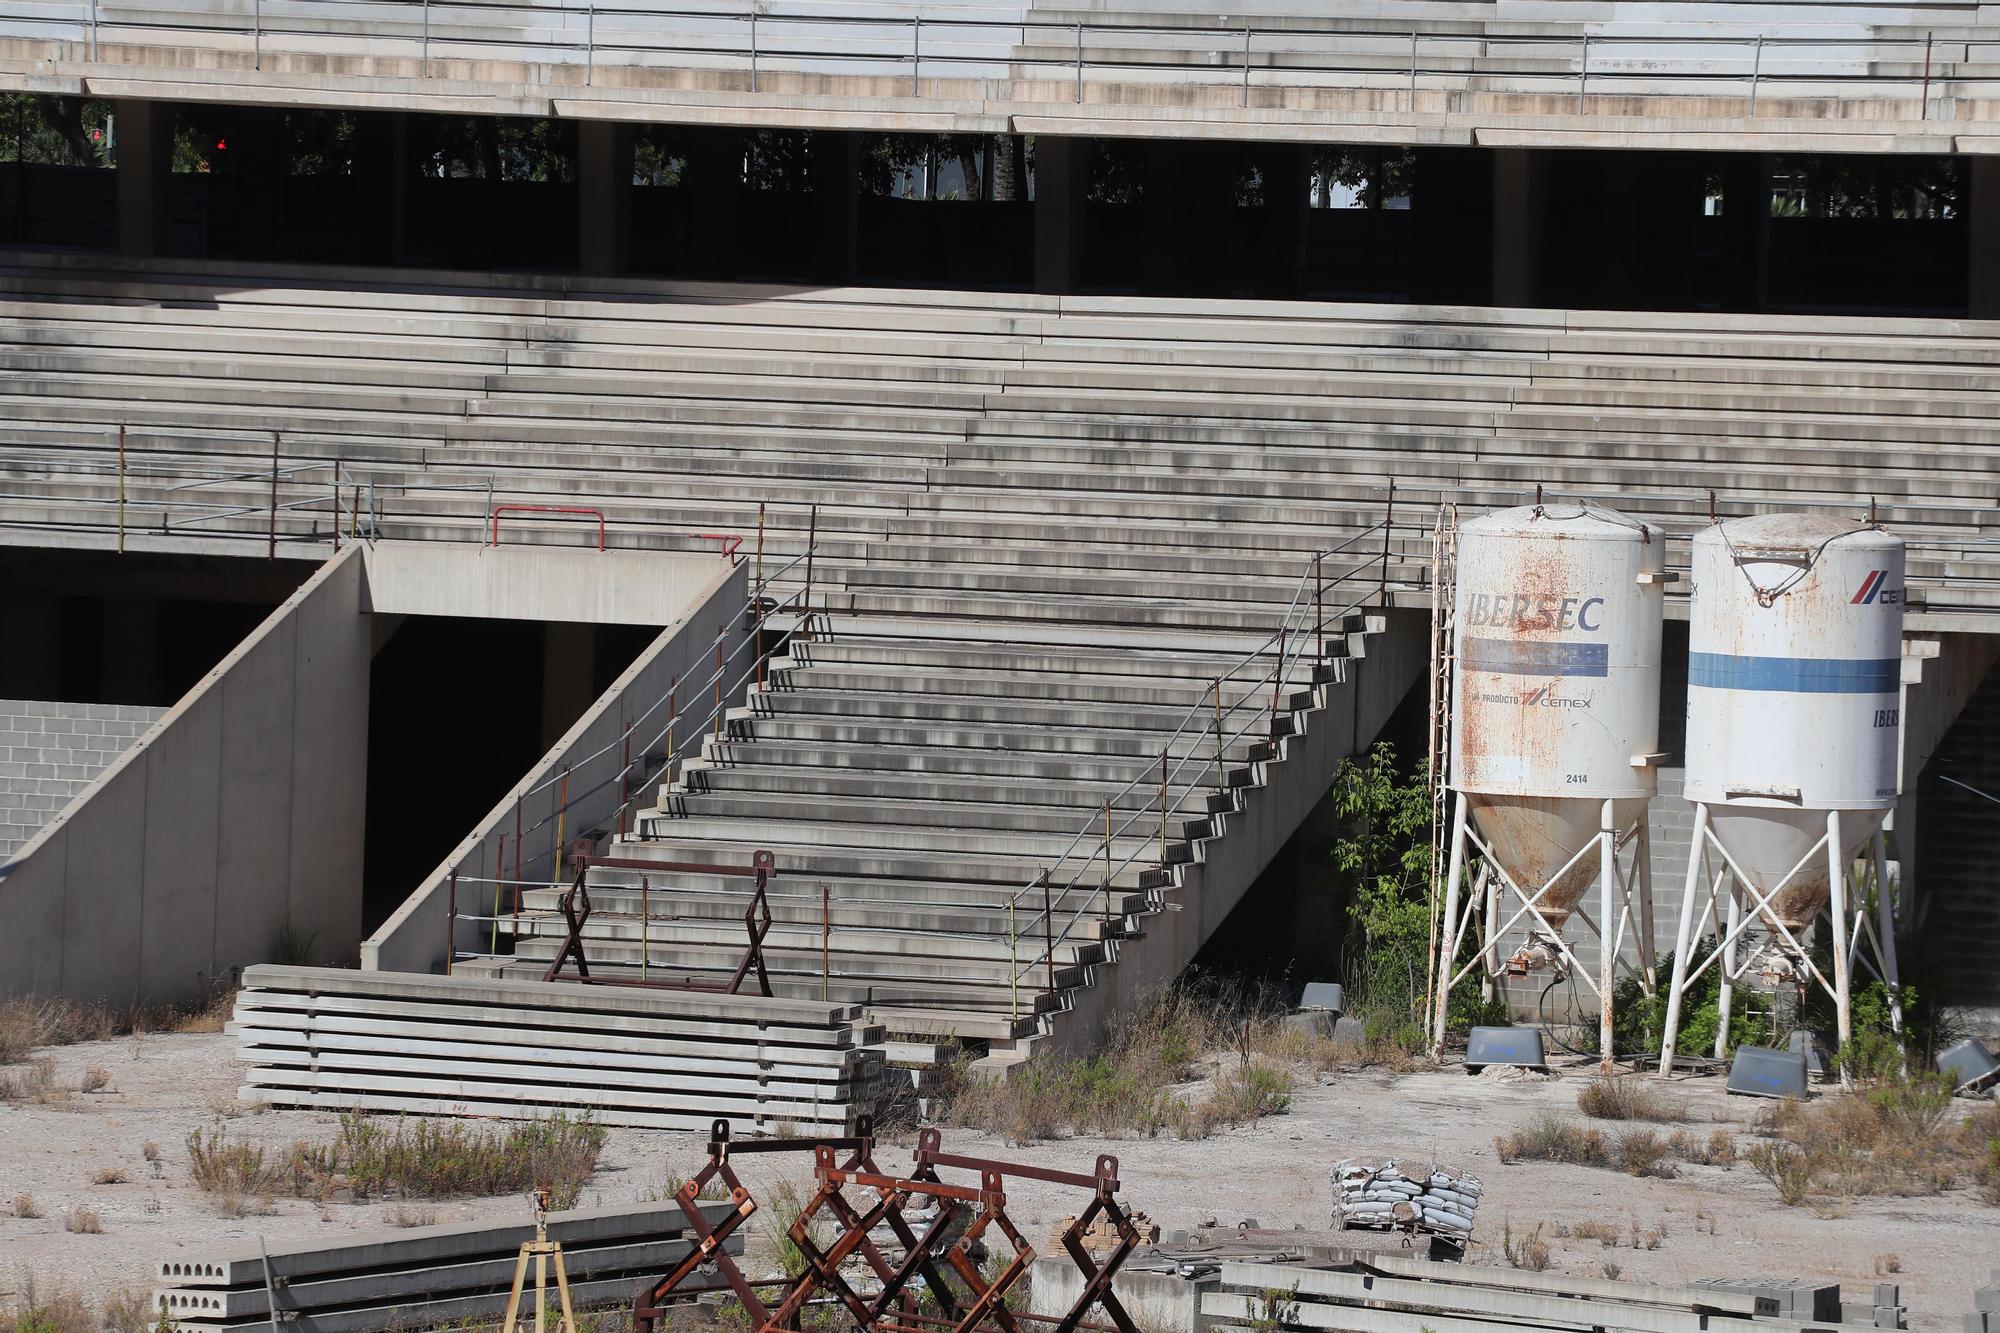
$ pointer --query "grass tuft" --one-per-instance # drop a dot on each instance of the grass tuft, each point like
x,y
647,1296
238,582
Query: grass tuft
x,y
83,1221
1625,1097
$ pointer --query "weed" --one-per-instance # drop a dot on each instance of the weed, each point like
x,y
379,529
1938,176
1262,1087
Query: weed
x,y
1531,1252
1625,1097
1613,1270
29,1023
1895,1138
402,1216
1251,1092
1604,1233
1275,1309
1128,1087
83,1221
406,1159
1641,1152
1787,1167
25,1206
222,1168
37,1084
1551,1138
1888,1263
95,1079
108,1175
63,1312
786,1203
433,1159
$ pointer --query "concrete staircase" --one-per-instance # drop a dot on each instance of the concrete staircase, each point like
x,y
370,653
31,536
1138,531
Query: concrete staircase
x,y
914,788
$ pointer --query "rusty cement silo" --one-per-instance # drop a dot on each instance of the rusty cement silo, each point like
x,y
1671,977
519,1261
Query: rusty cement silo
x,y
1555,702
1794,742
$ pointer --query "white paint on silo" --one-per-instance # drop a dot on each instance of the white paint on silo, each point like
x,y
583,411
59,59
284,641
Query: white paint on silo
x,y
1557,686
1794,688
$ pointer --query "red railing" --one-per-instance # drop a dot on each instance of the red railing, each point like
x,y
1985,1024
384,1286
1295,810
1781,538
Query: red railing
x,y
545,509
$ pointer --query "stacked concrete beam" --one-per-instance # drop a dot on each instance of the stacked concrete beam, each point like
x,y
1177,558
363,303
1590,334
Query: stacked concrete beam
x,y
1384,1294
426,1277
468,1045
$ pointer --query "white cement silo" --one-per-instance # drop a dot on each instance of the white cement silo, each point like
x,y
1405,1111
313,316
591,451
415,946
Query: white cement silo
x,y
1555,724
1793,734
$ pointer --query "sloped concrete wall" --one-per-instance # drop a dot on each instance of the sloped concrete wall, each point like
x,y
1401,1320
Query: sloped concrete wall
x,y
237,814
50,751
711,611
1356,712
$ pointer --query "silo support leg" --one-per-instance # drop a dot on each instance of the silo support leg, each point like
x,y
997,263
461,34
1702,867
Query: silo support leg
x,y
1730,947
1843,1000
1490,947
1697,847
1885,936
1642,869
1607,938
1448,928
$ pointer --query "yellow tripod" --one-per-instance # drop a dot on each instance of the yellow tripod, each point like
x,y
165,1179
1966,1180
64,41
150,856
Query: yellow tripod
x,y
541,1249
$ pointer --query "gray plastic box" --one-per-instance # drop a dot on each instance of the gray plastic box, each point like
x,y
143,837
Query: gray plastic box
x,y
1759,1071
1505,1046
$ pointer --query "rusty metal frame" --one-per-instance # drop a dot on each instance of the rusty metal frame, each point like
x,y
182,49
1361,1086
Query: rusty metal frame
x,y
840,1163
709,1250
892,1310
757,920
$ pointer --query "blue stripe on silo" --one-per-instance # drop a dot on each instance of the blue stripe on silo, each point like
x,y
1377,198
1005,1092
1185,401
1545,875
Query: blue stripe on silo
x,y
1796,675
1528,657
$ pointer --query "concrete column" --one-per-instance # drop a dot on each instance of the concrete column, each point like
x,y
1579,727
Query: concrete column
x,y
131,640
1062,179
399,186
263,162
1520,221
850,206
604,196
32,622
1983,298
145,176
715,201
569,664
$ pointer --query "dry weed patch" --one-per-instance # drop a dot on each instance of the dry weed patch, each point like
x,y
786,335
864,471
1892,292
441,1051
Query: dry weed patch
x,y
83,1221
1900,1137
64,1310
407,1159
1235,1039
1627,1097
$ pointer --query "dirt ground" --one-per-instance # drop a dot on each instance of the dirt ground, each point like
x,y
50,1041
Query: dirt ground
x,y
1717,1222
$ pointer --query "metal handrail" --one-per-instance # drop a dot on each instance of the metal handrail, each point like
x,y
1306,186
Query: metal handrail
x,y
1210,707
1455,58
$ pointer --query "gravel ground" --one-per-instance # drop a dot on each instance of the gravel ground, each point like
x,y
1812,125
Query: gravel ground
x,y
1716,1222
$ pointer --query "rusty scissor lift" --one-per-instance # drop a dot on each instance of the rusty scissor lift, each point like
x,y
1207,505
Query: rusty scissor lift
x,y
884,1300
576,909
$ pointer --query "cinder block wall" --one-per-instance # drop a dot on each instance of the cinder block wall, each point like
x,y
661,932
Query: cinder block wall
x,y
50,751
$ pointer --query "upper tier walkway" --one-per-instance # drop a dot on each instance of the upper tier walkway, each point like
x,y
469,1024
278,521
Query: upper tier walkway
x,y
1917,76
